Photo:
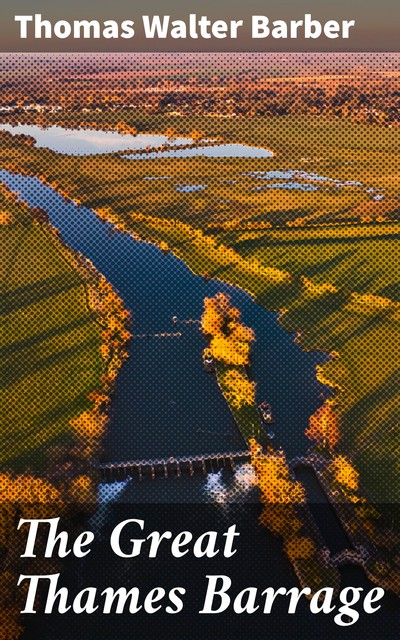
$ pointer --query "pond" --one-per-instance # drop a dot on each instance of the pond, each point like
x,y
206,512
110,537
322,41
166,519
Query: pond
x,y
81,142
209,151
289,174
301,186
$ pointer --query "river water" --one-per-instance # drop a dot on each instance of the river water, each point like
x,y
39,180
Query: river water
x,y
164,403
161,401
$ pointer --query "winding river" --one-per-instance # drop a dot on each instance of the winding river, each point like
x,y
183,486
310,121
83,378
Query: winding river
x,y
164,403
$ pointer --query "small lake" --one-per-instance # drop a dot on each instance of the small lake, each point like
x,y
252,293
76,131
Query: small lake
x,y
82,142
301,186
289,175
190,188
209,151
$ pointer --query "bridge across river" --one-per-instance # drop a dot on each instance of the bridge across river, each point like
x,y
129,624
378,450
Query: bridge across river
x,y
170,467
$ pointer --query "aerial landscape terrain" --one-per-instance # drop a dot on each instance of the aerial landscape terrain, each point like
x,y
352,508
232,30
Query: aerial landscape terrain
x,y
212,238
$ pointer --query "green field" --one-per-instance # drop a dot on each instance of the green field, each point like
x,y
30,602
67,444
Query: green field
x,y
358,323
50,340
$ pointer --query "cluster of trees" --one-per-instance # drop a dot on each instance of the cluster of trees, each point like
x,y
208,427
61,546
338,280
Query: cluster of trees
x,y
274,480
28,496
281,497
114,317
365,92
230,338
372,100
344,473
300,548
238,389
6,214
9,205
324,427
64,487
89,426
126,129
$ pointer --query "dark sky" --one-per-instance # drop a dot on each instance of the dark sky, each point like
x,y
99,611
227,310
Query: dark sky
x,y
377,24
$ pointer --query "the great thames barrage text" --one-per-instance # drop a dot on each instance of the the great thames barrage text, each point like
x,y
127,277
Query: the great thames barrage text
x,y
220,594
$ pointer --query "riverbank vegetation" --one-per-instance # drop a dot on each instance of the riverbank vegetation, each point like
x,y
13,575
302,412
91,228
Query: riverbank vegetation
x,y
63,341
321,250
366,529
63,330
285,514
310,232
230,339
229,350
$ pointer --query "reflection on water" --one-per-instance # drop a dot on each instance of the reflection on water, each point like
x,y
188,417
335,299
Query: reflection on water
x,y
288,175
189,188
81,142
288,185
109,492
210,151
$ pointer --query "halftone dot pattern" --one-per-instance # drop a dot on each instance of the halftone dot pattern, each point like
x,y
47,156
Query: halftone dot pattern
x,y
135,187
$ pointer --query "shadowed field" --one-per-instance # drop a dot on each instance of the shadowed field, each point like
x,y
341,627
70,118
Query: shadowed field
x,y
50,339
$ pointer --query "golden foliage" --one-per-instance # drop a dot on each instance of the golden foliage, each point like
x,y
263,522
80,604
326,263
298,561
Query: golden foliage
x,y
196,135
230,351
163,245
276,485
300,547
315,289
240,390
324,426
125,129
344,473
5,217
280,494
28,489
82,490
89,424
230,338
211,321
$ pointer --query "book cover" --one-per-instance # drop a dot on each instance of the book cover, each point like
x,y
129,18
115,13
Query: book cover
x,y
199,275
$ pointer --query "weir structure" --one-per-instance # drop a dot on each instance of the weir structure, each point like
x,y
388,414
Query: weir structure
x,y
169,467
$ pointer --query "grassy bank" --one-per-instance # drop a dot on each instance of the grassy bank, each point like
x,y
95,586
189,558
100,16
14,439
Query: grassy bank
x,y
51,345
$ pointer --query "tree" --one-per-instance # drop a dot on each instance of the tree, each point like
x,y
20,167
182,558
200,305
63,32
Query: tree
x,y
90,424
196,135
300,547
230,351
212,320
240,390
230,338
324,427
344,473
